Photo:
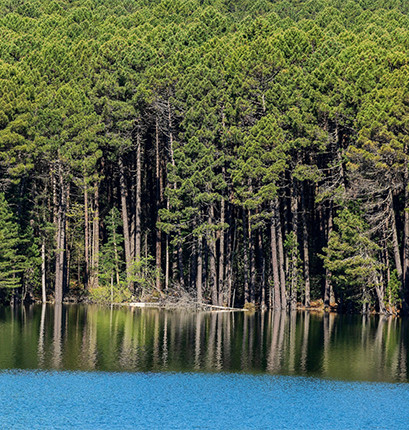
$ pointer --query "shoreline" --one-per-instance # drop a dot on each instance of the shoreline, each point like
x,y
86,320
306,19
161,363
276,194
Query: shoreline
x,y
204,307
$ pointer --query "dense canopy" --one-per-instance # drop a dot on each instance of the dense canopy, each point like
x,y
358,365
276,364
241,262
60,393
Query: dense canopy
x,y
230,151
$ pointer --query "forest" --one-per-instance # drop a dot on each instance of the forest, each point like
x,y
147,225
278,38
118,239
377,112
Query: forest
x,y
237,153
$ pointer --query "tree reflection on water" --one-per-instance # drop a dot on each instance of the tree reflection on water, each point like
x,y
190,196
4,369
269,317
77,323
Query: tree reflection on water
x,y
372,348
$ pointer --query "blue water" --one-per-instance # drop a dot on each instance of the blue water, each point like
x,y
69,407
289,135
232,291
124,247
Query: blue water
x,y
87,400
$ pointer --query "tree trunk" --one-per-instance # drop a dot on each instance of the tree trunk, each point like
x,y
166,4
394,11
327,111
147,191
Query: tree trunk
x,y
328,291
395,243
175,258
406,235
294,250
127,244
262,266
158,236
193,268
252,265
55,197
281,261
386,263
180,266
172,160
199,279
132,240
306,252
167,263
138,196
380,295
60,262
246,258
213,271
231,247
43,273
86,222
212,259
116,256
170,126
67,245
274,260
95,238
222,292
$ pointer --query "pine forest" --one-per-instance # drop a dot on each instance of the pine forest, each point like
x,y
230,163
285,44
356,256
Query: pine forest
x,y
248,153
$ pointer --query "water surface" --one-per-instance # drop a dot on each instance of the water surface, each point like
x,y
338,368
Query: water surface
x,y
92,338
99,400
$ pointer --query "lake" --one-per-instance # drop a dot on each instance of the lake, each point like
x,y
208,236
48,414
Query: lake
x,y
101,367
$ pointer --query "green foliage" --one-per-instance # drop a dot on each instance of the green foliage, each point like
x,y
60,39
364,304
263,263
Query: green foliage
x,y
108,294
30,249
393,292
12,262
143,275
236,106
351,256
111,258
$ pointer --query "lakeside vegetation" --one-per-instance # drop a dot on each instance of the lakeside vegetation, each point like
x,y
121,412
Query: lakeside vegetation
x,y
233,152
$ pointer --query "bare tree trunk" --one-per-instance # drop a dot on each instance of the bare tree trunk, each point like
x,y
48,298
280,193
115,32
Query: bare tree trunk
x,y
395,243
252,265
199,279
281,261
132,229
172,160
112,288
175,258
67,245
95,238
294,256
125,224
380,295
222,292
167,263
55,197
231,247
138,196
212,259
180,266
246,258
86,222
406,235
170,126
386,263
60,262
116,256
43,274
158,237
205,265
306,253
192,267
274,260
263,270
328,289
213,271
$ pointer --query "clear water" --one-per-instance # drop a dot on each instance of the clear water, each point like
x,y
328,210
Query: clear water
x,y
94,367
32,400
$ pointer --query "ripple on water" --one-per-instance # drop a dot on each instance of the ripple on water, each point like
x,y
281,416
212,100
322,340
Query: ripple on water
x,y
92,400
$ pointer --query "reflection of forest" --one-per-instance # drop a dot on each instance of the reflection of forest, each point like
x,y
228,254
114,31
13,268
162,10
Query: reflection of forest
x,y
94,338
